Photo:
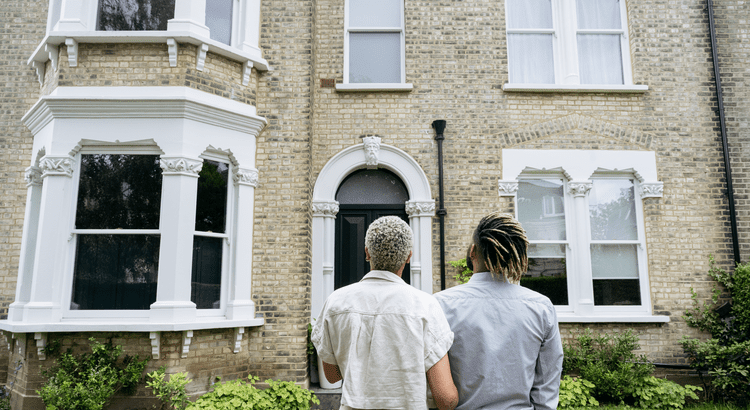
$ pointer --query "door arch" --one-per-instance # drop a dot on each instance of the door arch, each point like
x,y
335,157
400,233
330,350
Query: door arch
x,y
420,208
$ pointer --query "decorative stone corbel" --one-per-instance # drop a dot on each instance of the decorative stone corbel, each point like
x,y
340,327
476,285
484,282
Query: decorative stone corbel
x,y
247,69
507,188
172,50
187,337
238,332
420,208
155,344
329,209
371,145
53,53
33,176
180,166
580,188
246,176
653,189
20,341
8,336
39,68
201,56
41,343
63,166
72,52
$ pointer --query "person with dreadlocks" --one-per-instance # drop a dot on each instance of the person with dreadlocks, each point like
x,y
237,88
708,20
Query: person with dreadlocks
x,y
506,352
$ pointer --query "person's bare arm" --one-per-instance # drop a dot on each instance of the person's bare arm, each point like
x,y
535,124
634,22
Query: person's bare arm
x,y
332,372
441,384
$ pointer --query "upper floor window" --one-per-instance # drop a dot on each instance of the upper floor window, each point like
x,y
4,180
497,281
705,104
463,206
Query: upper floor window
x,y
374,42
550,42
134,15
220,19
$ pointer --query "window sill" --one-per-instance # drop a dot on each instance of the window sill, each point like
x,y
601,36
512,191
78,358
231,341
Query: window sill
x,y
575,88
365,87
632,318
125,325
56,38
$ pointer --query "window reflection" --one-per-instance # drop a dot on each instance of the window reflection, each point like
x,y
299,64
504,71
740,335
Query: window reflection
x,y
134,15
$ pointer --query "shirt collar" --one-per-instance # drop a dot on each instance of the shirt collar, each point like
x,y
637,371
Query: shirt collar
x,y
485,277
384,275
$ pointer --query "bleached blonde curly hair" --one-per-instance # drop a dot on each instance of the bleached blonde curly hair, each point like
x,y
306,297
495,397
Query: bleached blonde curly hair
x,y
389,241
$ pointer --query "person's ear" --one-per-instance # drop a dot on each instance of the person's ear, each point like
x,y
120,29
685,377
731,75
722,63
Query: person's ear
x,y
367,255
407,259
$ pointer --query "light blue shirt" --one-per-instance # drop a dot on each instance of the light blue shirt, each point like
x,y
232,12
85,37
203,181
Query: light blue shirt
x,y
507,352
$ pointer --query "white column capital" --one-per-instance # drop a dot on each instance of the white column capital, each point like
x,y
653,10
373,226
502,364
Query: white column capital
x,y
33,176
180,166
246,176
580,188
420,208
507,188
325,208
57,165
653,189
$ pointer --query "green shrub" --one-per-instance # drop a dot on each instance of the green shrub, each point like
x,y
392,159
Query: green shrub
x,y
464,273
576,392
654,393
172,391
88,381
725,358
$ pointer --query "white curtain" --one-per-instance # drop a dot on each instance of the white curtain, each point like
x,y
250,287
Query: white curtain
x,y
529,14
598,14
530,56
599,55
368,13
374,57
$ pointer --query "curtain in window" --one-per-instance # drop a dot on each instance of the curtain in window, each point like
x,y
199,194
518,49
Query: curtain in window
x,y
599,55
375,57
530,54
219,20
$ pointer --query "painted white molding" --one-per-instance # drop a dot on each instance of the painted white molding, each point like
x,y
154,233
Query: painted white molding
x,y
172,50
324,209
190,167
244,176
247,69
33,176
576,88
651,189
424,208
507,188
365,87
371,145
580,188
41,343
201,57
39,68
53,53
155,344
72,51
187,337
62,165
238,333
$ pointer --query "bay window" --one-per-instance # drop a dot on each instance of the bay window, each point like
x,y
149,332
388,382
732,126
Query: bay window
x,y
134,15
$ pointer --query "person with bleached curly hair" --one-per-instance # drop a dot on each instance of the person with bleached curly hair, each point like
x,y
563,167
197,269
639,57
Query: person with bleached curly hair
x,y
387,340
507,353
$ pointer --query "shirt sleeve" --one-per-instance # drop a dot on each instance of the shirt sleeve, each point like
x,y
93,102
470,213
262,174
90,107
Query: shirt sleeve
x,y
438,336
546,388
320,337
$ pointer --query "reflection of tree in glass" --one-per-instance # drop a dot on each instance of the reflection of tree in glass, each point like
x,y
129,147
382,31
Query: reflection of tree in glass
x,y
119,192
210,213
135,15
615,219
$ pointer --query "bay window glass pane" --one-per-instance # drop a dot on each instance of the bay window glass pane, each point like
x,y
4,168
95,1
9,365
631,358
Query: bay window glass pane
x,y
115,272
368,13
614,261
529,14
374,57
134,15
119,192
530,59
612,210
541,209
206,277
548,277
600,59
219,19
211,206
598,14
617,292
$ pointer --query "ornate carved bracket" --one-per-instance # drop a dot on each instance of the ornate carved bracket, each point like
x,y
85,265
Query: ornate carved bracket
x,y
155,344
187,337
62,166
201,57
328,209
41,343
53,53
72,52
580,188
371,145
651,189
246,176
238,332
33,176
247,69
180,166
507,188
414,209
172,50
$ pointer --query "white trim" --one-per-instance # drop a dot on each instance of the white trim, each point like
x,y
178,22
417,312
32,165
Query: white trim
x,y
634,318
359,87
575,88
125,325
325,208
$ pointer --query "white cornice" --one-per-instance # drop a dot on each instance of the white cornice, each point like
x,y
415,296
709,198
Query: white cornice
x,y
143,102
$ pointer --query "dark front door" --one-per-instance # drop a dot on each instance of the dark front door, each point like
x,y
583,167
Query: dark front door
x,y
351,225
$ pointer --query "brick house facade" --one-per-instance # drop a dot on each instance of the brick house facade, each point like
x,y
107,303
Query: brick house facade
x,y
282,106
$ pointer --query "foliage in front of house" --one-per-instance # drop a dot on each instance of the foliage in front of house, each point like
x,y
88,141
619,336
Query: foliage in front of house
x,y
464,273
608,371
725,358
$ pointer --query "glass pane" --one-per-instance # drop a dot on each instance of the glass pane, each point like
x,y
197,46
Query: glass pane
x,y
375,57
614,261
620,292
612,210
541,209
138,15
206,280
119,192
529,14
211,207
530,59
115,272
375,186
600,58
598,14
546,250
368,13
548,277
219,19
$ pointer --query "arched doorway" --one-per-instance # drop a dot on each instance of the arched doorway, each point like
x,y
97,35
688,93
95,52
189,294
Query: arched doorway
x,y
363,197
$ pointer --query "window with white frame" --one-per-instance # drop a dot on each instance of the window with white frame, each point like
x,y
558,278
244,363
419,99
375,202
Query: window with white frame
x,y
374,42
134,15
570,42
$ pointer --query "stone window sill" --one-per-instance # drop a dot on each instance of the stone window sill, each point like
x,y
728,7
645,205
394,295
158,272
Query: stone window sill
x,y
633,318
366,87
575,88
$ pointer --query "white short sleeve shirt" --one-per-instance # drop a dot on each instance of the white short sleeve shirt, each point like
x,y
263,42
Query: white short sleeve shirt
x,y
384,335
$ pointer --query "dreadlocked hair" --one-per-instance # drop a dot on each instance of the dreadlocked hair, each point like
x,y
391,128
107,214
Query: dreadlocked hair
x,y
502,245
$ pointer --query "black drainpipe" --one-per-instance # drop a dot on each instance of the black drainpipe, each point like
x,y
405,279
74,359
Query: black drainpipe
x,y
725,145
439,126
